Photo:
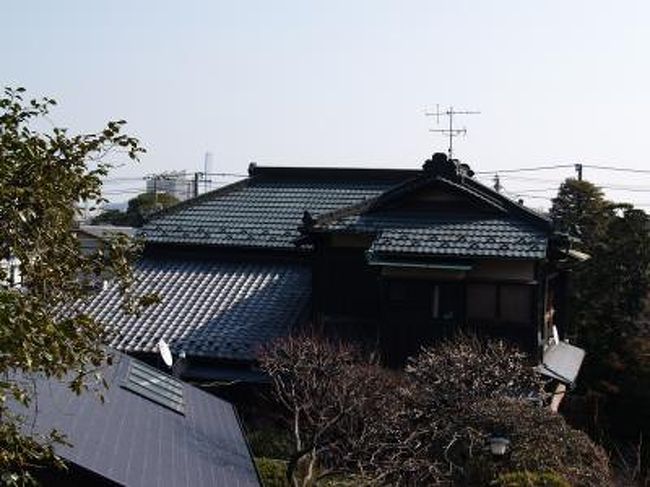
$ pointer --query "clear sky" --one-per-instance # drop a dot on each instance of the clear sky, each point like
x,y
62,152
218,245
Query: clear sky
x,y
346,82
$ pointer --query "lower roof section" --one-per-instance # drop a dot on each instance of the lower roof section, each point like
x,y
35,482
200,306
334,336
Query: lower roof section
x,y
131,440
468,236
211,309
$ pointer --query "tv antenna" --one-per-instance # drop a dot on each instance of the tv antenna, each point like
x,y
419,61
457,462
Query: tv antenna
x,y
450,131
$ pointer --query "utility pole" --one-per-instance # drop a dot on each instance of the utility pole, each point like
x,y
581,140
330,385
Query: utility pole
x,y
197,176
451,131
497,183
155,192
579,171
207,169
154,180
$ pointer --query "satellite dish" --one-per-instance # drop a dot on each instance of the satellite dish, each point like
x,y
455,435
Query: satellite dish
x,y
165,353
556,335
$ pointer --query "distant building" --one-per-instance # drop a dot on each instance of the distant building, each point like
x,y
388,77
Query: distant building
x,y
175,183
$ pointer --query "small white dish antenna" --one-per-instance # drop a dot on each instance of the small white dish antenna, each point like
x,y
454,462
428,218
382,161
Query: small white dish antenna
x,y
165,353
556,335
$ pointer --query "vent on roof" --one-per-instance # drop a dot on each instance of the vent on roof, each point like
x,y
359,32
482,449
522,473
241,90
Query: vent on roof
x,y
152,384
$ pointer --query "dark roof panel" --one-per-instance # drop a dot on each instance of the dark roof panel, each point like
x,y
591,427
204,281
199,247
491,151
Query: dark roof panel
x,y
215,309
135,442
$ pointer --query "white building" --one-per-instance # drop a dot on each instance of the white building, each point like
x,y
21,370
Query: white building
x,y
175,183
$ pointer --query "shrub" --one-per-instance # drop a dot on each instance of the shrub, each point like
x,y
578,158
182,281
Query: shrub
x,y
455,397
531,479
269,441
432,425
539,439
331,397
273,472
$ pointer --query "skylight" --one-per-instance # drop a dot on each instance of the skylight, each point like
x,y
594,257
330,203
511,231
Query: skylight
x,y
156,386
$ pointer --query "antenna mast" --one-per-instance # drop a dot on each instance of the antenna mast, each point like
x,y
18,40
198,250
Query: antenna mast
x,y
451,131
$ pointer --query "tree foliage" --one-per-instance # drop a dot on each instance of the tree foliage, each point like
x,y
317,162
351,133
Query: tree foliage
x,y
609,308
610,290
531,479
43,175
581,210
138,210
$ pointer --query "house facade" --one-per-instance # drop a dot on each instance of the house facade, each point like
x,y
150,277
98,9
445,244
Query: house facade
x,y
396,258
437,254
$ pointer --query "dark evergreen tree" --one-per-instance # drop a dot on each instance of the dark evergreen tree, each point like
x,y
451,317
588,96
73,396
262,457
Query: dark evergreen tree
x,y
609,302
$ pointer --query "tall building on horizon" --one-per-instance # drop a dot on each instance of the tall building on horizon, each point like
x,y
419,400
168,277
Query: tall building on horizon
x,y
174,183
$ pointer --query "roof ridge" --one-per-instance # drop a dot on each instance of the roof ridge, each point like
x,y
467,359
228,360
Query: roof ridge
x,y
474,189
425,180
519,208
331,172
373,203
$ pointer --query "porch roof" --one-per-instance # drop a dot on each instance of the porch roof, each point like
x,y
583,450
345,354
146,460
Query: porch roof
x,y
451,235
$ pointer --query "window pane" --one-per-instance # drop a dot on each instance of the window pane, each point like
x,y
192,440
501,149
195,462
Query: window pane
x,y
154,385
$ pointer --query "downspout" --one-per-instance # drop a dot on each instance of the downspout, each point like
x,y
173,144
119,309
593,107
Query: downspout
x,y
540,307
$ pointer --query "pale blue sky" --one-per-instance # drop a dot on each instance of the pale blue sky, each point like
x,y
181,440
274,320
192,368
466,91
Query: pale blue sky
x,y
346,82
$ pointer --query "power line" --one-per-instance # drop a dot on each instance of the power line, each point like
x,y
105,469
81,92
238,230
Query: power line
x,y
576,166
526,178
538,190
630,189
618,169
143,178
526,169
527,195
230,174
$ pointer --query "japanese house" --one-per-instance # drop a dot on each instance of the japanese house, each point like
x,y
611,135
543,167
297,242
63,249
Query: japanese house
x,y
397,258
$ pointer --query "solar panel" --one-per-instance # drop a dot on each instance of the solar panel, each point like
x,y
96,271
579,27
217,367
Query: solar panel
x,y
156,386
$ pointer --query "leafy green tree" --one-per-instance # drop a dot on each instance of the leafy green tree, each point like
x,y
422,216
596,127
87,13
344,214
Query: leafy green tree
x,y
138,210
609,307
609,290
146,204
112,217
43,175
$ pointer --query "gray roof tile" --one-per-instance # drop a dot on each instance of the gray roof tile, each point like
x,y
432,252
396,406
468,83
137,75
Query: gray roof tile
x,y
260,213
448,235
214,309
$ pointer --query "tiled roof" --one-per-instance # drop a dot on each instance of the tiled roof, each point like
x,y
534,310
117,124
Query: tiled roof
x,y
221,310
131,440
259,212
450,235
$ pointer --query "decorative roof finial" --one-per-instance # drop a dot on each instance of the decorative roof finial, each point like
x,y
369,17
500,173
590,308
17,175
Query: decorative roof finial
x,y
439,165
